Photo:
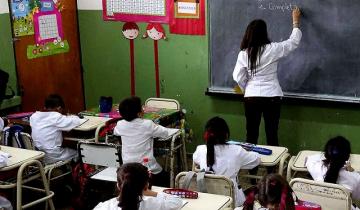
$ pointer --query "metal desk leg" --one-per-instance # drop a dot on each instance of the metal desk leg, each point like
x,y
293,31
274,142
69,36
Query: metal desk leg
x,y
282,163
19,186
288,171
183,151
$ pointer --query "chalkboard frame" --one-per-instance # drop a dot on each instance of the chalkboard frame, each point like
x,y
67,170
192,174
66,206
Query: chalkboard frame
x,y
212,90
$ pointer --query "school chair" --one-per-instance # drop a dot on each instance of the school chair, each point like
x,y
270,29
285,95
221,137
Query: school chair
x,y
49,168
163,103
208,183
166,103
105,156
329,196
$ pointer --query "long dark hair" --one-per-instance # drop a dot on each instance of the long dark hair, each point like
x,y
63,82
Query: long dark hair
x,y
132,179
216,132
337,152
275,190
255,38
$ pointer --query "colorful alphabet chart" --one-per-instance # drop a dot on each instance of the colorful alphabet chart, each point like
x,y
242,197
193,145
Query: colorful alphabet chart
x,y
136,10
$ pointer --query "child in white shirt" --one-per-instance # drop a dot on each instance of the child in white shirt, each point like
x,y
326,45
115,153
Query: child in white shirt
x,y
333,166
133,182
47,127
222,158
137,137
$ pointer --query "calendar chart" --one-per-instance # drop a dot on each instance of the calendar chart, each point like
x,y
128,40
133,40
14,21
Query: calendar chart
x,y
48,27
136,10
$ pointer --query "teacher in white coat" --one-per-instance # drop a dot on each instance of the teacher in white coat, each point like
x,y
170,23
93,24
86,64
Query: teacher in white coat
x,y
256,74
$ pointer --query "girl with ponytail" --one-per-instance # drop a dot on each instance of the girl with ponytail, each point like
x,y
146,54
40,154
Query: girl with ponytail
x,y
222,158
133,182
333,166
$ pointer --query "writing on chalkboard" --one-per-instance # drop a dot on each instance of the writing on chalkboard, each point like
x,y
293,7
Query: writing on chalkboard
x,y
276,6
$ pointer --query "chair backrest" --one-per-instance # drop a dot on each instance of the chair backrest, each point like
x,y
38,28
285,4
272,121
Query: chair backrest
x,y
328,196
28,142
163,103
100,154
215,184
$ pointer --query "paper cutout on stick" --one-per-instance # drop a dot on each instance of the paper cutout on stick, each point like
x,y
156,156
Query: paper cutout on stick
x,y
155,31
131,31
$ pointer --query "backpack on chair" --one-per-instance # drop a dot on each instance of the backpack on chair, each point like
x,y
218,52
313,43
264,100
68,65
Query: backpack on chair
x,y
4,79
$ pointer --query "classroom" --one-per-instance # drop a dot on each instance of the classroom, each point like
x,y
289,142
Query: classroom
x,y
191,64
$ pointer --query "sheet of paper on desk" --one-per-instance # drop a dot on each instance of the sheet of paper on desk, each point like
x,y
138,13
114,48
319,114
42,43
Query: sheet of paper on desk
x,y
184,202
82,121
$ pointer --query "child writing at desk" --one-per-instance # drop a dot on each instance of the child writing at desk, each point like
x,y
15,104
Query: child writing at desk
x,y
137,137
133,183
47,127
333,166
224,159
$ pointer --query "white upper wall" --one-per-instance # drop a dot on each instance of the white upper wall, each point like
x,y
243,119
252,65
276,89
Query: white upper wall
x,y
87,4
4,7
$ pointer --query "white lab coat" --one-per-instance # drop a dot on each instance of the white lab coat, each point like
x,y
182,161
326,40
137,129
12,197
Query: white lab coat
x,y
350,180
229,159
161,202
265,82
1,124
137,140
46,131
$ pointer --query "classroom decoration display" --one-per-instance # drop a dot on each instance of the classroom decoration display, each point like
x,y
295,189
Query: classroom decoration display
x,y
187,17
22,16
49,35
131,31
137,10
156,32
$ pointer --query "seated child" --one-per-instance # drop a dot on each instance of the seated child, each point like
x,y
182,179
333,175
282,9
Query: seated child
x,y
273,192
333,166
47,127
222,158
133,182
137,138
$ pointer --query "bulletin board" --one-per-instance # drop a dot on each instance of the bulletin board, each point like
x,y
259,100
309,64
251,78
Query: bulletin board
x,y
137,10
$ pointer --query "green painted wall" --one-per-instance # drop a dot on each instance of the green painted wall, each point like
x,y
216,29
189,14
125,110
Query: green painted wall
x,y
184,73
7,61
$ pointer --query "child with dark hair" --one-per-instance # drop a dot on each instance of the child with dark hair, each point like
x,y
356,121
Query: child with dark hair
x,y
221,158
137,137
47,127
133,183
334,167
273,193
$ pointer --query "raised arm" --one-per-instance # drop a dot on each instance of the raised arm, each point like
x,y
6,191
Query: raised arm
x,y
282,49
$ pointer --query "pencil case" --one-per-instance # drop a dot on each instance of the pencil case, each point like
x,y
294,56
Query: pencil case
x,y
182,193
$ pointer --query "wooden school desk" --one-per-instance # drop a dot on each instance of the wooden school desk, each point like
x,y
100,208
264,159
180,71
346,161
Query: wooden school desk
x,y
277,158
205,201
297,163
21,159
88,130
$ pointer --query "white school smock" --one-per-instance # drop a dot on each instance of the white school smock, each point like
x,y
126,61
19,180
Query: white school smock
x,y
350,180
229,159
162,201
265,82
46,131
137,140
1,124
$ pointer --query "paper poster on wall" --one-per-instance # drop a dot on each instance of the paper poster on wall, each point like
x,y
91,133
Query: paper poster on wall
x,y
137,10
22,16
49,35
187,17
187,8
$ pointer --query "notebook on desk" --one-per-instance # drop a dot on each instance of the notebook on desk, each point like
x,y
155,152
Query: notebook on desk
x,y
91,122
